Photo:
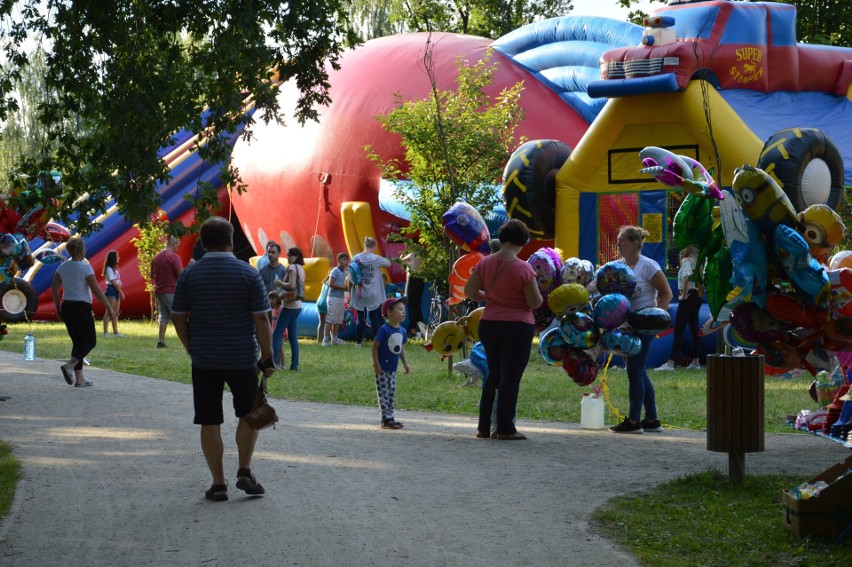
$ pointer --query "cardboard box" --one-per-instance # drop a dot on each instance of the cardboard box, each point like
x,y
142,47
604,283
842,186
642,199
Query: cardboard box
x,y
826,516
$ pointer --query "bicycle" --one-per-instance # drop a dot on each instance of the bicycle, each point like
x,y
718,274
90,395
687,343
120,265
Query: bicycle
x,y
437,312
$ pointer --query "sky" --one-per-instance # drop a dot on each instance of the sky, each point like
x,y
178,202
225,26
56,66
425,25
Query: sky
x,y
609,8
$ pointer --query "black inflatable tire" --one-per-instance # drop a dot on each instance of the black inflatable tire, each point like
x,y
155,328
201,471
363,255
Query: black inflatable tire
x,y
18,301
529,185
786,155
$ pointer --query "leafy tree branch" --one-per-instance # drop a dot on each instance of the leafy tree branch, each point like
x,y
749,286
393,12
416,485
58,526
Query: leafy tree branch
x,y
122,79
456,144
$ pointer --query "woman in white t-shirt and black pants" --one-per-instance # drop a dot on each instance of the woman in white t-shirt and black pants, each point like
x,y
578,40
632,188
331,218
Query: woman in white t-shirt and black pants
x,y
77,280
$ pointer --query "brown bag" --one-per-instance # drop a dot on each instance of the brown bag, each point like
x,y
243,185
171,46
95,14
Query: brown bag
x,y
262,415
297,294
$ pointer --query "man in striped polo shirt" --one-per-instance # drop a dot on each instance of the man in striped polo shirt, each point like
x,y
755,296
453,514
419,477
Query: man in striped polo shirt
x,y
219,312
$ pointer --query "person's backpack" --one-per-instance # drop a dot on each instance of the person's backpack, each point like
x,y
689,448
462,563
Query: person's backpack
x,y
355,279
355,273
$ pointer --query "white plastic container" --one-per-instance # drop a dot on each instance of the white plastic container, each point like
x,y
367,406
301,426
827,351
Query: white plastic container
x,y
591,412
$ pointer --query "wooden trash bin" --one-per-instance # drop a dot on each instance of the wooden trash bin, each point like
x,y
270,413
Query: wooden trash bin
x,y
735,409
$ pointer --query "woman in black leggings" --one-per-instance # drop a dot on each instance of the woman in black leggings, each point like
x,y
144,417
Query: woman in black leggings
x,y
508,286
77,280
689,304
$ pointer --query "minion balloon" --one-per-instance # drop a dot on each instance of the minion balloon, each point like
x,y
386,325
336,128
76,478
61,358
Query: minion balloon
x,y
762,200
823,229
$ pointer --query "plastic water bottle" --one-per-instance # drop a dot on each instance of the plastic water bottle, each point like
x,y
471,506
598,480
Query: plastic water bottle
x,y
591,412
29,347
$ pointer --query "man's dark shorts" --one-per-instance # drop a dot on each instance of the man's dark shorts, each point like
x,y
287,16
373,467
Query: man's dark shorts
x,y
208,387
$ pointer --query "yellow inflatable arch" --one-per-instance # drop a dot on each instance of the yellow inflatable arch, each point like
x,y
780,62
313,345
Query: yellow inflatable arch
x,y
607,158
357,220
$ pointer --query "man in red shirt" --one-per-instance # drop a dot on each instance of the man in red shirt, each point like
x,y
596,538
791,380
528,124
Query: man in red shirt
x,y
165,269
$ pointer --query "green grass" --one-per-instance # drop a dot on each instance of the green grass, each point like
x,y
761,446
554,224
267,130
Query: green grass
x,y
344,375
10,473
724,524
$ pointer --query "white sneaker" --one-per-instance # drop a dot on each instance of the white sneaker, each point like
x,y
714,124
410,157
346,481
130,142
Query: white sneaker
x,y
694,365
338,341
666,366
326,343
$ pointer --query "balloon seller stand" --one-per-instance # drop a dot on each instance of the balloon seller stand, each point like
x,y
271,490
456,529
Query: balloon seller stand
x,y
735,409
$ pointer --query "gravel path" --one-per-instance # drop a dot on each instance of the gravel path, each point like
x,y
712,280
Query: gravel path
x,y
113,475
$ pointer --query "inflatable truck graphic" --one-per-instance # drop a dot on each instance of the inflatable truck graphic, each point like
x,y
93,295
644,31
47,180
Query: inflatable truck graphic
x,y
732,45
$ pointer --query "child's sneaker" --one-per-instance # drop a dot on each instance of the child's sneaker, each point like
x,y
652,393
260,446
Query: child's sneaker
x,y
338,341
666,366
326,342
694,365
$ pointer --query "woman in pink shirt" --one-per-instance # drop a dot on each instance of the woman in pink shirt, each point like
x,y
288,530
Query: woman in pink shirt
x,y
508,286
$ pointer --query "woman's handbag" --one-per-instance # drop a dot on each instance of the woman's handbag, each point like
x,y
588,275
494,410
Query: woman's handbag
x,y
262,415
297,294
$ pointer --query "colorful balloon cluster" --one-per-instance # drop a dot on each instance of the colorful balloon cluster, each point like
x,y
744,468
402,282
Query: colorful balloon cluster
x,y
768,271
585,332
